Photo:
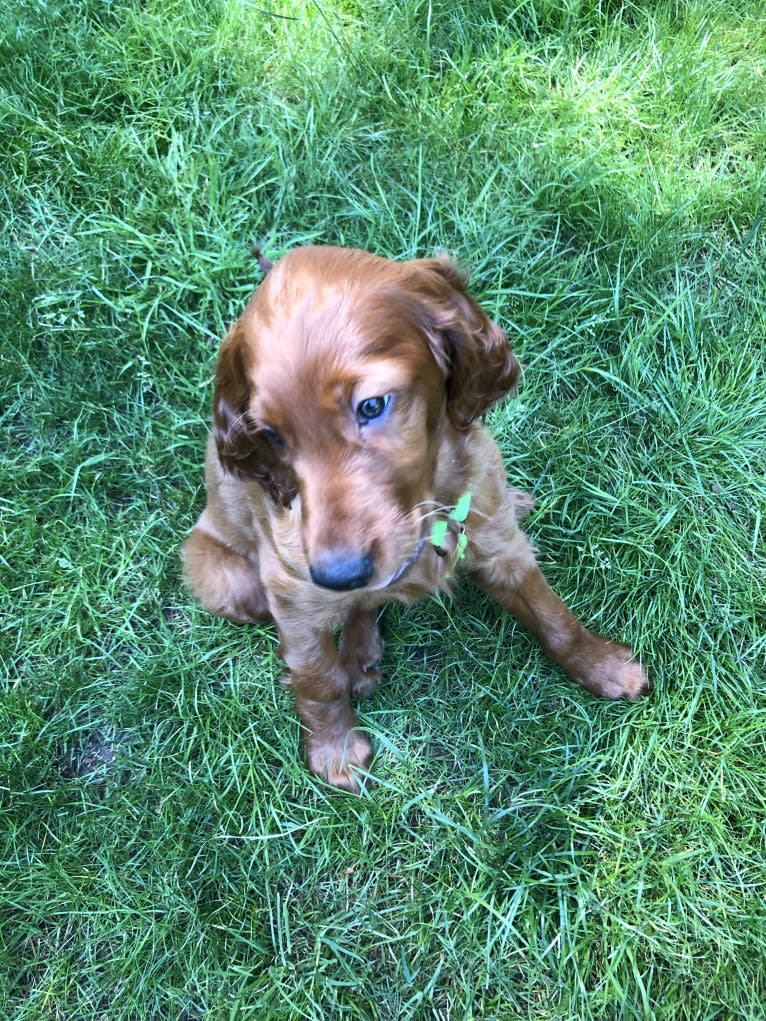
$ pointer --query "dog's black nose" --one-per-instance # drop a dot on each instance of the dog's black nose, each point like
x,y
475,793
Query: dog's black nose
x,y
342,570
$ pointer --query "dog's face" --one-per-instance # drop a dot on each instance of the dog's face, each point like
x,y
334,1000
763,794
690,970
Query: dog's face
x,y
339,384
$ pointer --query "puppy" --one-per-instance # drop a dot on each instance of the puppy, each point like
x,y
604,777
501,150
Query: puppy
x,y
348,467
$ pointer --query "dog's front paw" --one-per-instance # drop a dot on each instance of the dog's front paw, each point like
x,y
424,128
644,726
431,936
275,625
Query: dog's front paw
x,y
339,761
364,679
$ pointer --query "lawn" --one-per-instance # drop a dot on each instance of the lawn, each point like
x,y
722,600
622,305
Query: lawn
x,y
526,851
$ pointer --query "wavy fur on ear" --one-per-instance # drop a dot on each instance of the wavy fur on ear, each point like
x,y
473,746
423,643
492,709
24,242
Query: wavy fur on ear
x,y
472,350
242,449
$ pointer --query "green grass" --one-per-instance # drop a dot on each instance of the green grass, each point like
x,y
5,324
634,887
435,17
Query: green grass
x,y
526,852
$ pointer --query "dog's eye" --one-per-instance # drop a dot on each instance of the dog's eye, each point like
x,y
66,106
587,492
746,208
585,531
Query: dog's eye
x,y
272,437
371,408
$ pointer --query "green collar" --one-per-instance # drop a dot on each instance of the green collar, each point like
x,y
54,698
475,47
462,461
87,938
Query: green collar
x,y
458,514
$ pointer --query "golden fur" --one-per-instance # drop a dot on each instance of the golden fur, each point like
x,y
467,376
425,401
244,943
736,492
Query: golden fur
x,y
346,423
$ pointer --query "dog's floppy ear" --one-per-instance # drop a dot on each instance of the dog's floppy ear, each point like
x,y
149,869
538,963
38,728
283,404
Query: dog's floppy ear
x,y
243,450
230,403
471,350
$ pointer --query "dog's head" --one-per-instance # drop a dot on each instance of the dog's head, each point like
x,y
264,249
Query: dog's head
x,y
339,384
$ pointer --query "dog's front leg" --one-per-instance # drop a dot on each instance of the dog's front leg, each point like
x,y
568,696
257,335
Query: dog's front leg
x,y
334,746
361,650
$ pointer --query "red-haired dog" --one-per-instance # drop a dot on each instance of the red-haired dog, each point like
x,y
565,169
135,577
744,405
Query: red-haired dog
x,y
348,467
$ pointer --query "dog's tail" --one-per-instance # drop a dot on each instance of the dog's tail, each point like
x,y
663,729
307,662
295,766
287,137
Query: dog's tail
x,y
263,262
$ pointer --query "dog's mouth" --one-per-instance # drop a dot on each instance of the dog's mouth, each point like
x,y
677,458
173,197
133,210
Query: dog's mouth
x,y
403,567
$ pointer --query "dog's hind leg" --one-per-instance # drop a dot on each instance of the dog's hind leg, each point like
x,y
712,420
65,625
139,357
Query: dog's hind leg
x,y
502,563
225,582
